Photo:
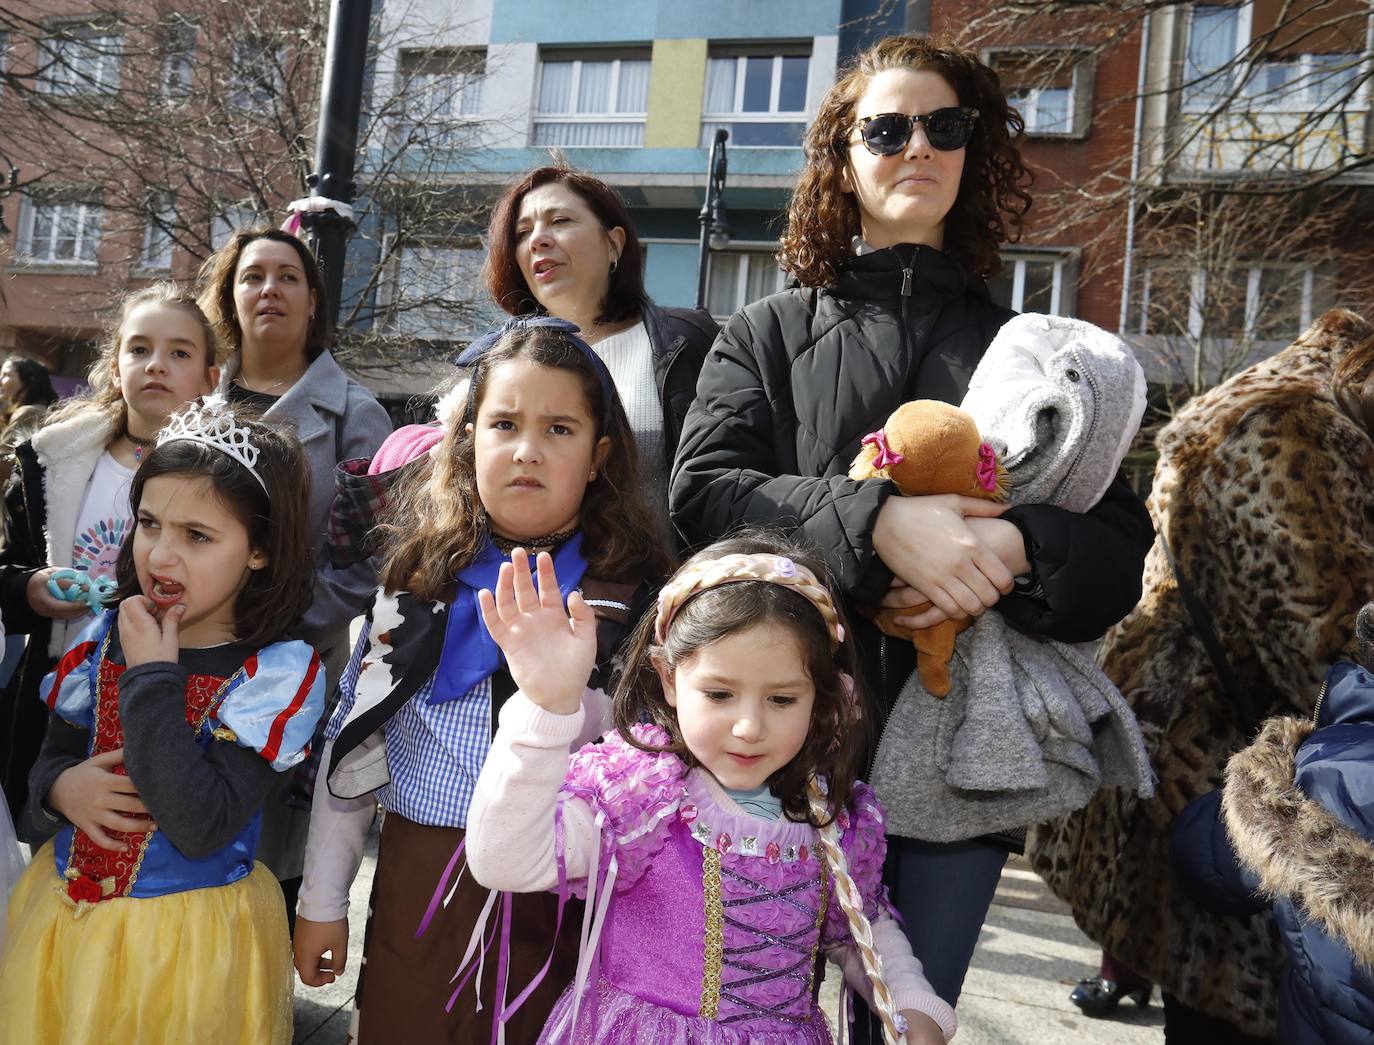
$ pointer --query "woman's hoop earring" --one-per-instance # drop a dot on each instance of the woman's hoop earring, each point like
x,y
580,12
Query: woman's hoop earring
x,y
614,263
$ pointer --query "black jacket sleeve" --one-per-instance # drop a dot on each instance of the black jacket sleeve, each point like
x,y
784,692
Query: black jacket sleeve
x,y
64,746
199,797
728,472
20,558
1089,565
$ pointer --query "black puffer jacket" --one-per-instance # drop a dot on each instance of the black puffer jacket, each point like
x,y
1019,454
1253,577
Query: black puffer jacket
x,y
795,381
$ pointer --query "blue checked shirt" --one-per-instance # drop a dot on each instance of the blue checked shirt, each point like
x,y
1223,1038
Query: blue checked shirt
x,y
435,751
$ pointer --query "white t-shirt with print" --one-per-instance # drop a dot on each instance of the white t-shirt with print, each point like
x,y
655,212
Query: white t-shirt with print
x,y
101,526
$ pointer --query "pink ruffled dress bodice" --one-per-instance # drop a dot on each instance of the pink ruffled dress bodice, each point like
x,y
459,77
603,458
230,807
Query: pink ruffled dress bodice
x,y
717,915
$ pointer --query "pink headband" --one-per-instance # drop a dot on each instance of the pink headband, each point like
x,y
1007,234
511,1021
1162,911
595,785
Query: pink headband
x,y
775,569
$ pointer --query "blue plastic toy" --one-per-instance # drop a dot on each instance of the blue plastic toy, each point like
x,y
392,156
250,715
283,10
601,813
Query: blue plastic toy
x,y
81,587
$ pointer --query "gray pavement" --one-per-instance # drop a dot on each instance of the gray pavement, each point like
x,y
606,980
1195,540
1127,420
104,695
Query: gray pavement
x,y
1028,958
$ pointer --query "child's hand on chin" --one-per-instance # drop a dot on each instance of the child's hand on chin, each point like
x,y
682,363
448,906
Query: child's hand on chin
x,y
921,1029
143,637
550,651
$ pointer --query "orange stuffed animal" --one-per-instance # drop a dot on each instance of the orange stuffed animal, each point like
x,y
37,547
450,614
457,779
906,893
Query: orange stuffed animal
x,y
930,447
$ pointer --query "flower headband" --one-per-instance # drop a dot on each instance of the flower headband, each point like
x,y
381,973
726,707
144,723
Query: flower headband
x,y
775,569
470,356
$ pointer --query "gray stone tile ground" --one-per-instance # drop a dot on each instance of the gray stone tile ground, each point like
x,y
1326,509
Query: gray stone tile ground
x,y
1029,957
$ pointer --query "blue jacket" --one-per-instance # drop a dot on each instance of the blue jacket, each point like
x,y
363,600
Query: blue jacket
x,y
1293,830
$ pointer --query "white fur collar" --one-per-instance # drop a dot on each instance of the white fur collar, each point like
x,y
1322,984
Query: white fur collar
x,y
68,451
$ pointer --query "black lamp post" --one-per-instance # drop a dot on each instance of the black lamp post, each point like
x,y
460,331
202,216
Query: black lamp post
x,y
715,230
336,144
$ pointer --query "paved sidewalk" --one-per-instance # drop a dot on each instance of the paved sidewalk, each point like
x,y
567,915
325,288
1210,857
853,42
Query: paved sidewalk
x,y
1017,992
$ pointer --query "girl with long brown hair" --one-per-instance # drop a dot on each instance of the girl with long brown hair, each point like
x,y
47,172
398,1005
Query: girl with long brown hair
x,y
540,456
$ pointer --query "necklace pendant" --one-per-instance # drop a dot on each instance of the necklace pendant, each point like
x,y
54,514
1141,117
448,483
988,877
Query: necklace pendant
x,y
138,454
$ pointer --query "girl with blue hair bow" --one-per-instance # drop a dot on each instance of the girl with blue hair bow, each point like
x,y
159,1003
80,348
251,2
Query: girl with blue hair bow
x,y
540,457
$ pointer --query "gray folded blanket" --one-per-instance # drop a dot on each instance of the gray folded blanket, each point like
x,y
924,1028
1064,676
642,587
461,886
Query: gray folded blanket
x,y
1031,728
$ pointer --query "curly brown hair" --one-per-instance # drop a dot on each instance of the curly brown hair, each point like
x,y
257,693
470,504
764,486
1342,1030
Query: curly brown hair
x,y
436,524
822,218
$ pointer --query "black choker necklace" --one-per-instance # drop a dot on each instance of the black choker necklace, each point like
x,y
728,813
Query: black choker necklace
x,y
506,546
138,444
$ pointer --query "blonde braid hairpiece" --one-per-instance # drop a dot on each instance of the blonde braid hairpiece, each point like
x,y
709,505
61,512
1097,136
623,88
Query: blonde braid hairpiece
x,y
775,569
852,903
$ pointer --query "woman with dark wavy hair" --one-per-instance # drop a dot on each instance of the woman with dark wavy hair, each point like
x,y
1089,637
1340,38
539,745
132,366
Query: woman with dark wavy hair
x,y
912,181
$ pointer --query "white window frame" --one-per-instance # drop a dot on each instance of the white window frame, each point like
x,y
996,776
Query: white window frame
x,y
59,72
179,55
83,245
748,249
229,217
247,93
538,117
1306,97
1026,101
1062,285
711,121
414,322
155,252
1197,297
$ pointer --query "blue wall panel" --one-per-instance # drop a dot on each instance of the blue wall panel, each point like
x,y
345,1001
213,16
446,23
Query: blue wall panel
x,y
670,276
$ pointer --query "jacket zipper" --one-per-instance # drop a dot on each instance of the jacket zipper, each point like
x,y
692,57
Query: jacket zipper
x,y
906,281
1316,711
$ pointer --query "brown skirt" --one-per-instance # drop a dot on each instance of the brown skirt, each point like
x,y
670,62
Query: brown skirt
x,y
405,982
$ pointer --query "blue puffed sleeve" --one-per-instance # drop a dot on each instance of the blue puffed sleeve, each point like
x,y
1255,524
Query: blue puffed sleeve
x,y
69,689
275,701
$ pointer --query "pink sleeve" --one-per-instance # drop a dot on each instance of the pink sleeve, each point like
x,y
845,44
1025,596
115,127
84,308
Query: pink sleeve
x,y
333,850
510,830
906,980
632,792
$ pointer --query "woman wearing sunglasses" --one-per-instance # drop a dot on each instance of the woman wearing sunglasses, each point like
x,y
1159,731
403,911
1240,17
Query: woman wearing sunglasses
x,y
912,180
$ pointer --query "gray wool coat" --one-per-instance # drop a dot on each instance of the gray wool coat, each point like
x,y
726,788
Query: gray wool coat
x,y
336,419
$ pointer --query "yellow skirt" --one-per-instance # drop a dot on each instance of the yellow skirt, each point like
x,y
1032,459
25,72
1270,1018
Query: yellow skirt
x,y
202,967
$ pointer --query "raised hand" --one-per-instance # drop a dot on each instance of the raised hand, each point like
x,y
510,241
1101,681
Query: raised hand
x,y
143,637
96,799
550,651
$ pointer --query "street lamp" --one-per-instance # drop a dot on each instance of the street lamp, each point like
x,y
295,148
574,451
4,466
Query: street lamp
x,y
715,230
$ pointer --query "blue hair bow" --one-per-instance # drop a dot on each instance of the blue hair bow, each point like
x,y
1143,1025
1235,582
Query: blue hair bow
x,y
570,331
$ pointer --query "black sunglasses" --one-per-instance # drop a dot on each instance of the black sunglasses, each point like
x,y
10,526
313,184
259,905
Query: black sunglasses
x,y
946,129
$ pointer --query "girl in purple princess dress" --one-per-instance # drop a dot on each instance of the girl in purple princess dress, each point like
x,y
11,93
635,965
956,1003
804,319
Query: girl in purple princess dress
x,y
719,833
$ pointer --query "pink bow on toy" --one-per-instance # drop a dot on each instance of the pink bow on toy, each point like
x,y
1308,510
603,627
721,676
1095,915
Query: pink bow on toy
x,y
887,457
987,468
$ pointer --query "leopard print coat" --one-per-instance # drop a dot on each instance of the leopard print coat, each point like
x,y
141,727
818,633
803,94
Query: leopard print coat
x,y
1265,492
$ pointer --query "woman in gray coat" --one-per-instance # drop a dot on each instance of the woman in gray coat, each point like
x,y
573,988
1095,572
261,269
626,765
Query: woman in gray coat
x,y
264,291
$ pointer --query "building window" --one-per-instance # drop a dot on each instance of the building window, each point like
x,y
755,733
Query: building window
x,y
79,59
1304,83
438,292
586,102
441,94
759,98
65,232
734,278
1271,301
1050,88
179,46
258,77
158,239
1036,281
229,218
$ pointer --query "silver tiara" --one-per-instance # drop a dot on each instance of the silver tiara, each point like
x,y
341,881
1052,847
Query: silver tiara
x,y
210,422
